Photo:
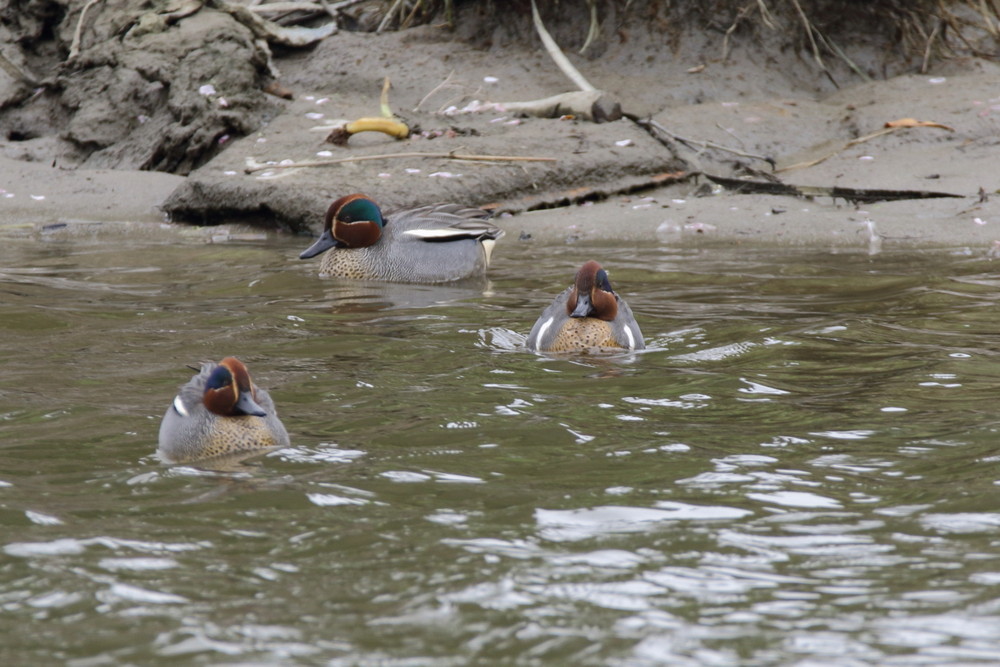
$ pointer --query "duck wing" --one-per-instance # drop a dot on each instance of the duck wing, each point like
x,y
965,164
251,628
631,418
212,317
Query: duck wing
x,y
445,222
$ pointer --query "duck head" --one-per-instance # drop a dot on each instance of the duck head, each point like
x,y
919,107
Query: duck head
x,y
592,294
229,391
353,221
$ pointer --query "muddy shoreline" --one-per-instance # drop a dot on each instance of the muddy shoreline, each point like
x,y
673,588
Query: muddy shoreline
x,y
604,180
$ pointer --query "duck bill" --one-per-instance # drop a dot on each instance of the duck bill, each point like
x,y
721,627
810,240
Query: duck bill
x,y
322,244
245,405
582,306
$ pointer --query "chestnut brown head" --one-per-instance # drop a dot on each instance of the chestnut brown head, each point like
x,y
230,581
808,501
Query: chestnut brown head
x,y
229,392
353,221
592,294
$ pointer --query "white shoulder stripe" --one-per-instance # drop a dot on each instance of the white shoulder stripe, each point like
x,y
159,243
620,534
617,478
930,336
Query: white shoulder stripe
x,y
542,330
441,233
631,338
179,406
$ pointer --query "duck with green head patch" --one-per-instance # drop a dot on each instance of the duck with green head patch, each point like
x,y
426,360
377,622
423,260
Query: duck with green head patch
x,y
588,316
219,412
431,244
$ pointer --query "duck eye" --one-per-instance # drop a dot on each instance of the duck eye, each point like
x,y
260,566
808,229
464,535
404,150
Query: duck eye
x,y
219,378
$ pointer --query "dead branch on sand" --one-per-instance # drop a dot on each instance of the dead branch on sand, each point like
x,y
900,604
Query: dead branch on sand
x,y
254,166
293,36
16,72
693,144
447,83
587,103
74,47
855,195
558,57
273,33
890,127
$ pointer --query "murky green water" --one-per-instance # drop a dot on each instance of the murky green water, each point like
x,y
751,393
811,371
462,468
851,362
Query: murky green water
x,y
802,469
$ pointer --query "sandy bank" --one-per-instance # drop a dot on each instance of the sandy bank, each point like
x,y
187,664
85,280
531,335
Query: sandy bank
x,y
754,104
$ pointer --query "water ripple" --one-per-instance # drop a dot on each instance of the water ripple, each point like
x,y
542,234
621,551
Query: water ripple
x,y
587,523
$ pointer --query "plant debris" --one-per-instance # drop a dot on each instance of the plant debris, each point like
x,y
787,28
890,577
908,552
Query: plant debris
x,y
854,195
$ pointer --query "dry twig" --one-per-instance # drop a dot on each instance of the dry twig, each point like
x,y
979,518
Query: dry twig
x,y
561,61
74,47
388,16
891,126
593,32
927,49
812,41
284,7
444,84
16,72
693,143
254,166
852,142
765,15
732,28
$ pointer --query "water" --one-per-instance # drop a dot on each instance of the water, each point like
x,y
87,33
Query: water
x,y
801,470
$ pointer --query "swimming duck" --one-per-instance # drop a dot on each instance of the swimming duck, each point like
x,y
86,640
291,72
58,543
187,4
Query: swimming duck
x,y
587,316
431,244
219,411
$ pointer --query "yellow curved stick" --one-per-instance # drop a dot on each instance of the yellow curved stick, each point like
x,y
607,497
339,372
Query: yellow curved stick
x,y
390,126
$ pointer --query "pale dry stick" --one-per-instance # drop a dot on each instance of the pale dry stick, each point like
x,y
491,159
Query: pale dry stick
x,y
330,10
927,49
692,143
413,12
765,14
17,72
852,142
562,62
730,133
736,22
256,166
911,32
953,22
446,82
830,44
274,33
281,7
451,101
593,32
384,99
388,16
310,10
578,103
993,7
74,48
984,13
812,40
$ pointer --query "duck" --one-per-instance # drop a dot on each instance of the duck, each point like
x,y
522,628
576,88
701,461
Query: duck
x,y
437,243
588,316
219,412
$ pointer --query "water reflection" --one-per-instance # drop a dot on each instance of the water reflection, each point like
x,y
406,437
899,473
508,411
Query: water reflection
x,y
799,470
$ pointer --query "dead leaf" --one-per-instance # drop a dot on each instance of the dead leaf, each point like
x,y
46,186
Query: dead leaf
x,y
913,122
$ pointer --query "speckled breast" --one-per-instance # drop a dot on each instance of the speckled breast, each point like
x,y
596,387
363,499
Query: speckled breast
x,y
238,434
584,333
